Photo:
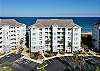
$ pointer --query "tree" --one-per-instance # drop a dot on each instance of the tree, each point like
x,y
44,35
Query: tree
x,y
97,69
6,68
81,63
41,67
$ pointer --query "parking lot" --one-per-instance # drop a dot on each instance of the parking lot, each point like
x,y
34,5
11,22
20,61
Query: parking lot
x,y
24,65
66,63
69,63
9,58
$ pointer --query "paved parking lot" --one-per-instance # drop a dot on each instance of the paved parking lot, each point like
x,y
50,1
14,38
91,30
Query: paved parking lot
x,y
54,65
9,58
69,63
66,63
24,65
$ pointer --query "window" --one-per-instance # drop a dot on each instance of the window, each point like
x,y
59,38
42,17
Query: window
x,y
11,27
11,31
54,38
0,46
14,30
46,28
0,28
33,47
33,43
62,32
69,29
0,32
75,47
40,33
50,28
0,41
75,39
40,42
58,45
54,33
58,33
75,33
58,28
75,43
46,36
76,29
46,33
69,38
58,37
40,29
63,29
40,47
34,33
40,38
17,27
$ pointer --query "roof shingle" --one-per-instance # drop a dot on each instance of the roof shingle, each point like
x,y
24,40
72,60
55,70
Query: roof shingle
x,y
10,22
50,22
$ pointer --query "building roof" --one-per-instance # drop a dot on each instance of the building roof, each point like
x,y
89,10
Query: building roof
x,y
11,22
54,22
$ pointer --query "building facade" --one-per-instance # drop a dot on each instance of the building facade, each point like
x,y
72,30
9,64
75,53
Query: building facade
x,y
55,35
11,32
96,36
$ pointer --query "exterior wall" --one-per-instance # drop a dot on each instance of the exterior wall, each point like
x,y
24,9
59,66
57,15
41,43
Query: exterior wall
x,y
76,39
55,34
68,36
54,39
11,35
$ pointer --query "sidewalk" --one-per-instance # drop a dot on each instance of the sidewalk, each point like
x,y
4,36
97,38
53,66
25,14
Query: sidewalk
x,y
7,53
37,61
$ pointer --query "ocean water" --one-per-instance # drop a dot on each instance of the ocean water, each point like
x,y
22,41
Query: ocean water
x,y
85,22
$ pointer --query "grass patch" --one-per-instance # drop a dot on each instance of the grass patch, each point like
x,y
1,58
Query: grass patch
x,y
34,55
49,54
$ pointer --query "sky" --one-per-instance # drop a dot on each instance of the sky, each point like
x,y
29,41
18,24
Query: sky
x,y
54,8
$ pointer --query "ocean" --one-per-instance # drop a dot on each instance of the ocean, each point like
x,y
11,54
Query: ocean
x,y
85,22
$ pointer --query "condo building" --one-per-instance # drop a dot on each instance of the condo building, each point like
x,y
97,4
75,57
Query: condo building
x,y
11,33
96,36
55,35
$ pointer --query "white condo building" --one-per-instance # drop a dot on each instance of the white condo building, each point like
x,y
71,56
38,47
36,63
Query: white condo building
x,y
55,35
11,32
96,36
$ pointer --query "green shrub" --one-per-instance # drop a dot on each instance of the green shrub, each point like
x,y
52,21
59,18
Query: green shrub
x,y
34,55
62,52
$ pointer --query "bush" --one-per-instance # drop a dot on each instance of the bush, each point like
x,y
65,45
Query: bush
x,y
49,54
6,68
34,55
62,52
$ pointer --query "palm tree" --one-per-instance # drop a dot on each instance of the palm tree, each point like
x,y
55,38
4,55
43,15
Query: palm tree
x,y
81,63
